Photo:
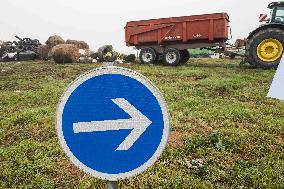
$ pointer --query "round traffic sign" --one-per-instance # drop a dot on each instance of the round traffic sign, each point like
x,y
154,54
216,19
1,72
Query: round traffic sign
x,y
113,123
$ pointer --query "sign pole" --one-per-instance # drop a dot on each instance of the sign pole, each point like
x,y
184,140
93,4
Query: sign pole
x,y
112,184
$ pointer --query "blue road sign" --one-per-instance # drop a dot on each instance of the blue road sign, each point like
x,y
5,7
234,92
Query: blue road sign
x,y
113,123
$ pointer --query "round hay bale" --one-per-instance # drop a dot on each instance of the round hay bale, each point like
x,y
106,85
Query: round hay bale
x,y
54,40
79,44
65,53
84,52
43,52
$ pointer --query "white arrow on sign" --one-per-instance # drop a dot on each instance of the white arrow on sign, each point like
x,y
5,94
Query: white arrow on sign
x,y
138,122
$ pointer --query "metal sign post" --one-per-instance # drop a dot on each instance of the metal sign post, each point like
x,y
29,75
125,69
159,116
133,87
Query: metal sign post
x,y
112,184
113,123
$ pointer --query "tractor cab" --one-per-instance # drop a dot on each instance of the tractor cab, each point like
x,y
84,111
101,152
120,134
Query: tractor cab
x,y
277,12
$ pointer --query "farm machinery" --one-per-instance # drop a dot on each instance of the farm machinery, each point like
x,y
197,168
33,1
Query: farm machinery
x,y
168,39
264,46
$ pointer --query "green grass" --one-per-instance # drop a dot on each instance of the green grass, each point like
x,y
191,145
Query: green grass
x,y
203,96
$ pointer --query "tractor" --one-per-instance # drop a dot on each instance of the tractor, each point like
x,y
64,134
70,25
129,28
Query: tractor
x,y
264,46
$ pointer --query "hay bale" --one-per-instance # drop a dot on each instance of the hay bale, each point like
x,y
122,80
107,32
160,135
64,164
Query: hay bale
x,y
79,44
65,53
85,52
44,52
54,40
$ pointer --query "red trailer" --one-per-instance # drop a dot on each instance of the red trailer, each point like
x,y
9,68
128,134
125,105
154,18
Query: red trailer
x,y
170,38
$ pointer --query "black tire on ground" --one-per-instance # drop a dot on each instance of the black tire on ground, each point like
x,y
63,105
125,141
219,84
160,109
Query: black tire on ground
x,y
172,57
185,56
255,40
148,56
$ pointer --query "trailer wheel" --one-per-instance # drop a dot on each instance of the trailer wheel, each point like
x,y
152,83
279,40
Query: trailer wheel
x,y
185,56
148,56
172,57
265,48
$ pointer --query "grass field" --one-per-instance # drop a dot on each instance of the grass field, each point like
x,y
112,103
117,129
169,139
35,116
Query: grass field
x,y
204,97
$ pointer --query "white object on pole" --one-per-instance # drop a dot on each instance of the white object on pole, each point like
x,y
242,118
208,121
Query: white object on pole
x,y
277,86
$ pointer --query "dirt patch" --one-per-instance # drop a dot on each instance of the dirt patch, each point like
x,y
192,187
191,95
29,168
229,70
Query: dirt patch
x,y
199,126
176,139
75,172
68,170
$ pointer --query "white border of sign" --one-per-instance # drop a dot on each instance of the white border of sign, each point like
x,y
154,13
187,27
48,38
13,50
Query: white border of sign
x,y
120,71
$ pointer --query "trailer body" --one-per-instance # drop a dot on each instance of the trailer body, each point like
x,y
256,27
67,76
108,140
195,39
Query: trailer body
x,y
178,32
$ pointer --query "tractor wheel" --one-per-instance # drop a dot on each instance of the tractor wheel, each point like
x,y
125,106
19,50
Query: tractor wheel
x,y
184,56
265,48
148,56
172,57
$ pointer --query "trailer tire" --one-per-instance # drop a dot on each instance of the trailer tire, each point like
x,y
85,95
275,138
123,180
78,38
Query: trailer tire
x,y
185,56
272,40
172,57
148,56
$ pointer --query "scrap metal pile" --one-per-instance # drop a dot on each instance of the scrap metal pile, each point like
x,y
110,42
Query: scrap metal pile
x,y
23,49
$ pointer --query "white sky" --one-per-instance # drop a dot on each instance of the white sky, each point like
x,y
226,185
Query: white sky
x,y
102,22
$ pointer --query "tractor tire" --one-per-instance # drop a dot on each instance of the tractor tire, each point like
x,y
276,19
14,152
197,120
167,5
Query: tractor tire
x,y
148,56
265,48
172,57
185,56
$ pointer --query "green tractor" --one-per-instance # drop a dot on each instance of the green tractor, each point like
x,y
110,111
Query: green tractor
x,y
265,45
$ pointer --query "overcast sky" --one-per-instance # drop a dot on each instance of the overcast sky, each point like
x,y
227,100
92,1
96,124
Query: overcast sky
x,y
102,22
